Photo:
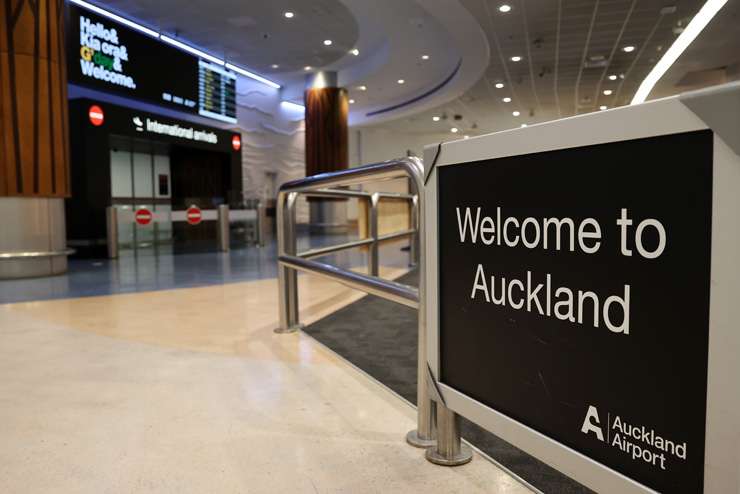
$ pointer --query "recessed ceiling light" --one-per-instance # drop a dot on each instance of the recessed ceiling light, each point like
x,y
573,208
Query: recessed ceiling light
x,y
628,48
506,100
355,51
275,66
504,8
523,125
454,130
516,58
466,137
435,118
307,67
289,15
603,107
327,42
515,113
351,101
613,77
401,81
362,88
499,85
425,57
607,92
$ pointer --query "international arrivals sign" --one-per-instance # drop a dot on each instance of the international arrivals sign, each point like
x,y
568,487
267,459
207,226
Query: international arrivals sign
x,y
572,299
106,118
188,132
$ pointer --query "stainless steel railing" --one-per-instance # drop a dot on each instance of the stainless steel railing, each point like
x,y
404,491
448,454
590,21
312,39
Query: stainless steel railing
x,y
290,261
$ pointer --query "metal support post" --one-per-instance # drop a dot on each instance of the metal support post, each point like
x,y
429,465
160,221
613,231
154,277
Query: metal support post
x,y
450,450
111,224
373,263
425,434
260,224
414,240
287,277
223,228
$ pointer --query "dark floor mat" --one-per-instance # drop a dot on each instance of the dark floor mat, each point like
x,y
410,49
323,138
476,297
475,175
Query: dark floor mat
x,y
380,337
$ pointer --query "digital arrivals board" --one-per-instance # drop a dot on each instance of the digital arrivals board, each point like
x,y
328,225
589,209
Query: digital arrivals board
x,y
108,56
581,291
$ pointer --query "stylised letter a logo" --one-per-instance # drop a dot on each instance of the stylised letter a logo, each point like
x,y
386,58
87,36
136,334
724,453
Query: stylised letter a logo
x,y
591,423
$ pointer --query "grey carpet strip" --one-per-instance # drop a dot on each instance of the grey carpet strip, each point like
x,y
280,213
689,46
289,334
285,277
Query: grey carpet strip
x,y
380,337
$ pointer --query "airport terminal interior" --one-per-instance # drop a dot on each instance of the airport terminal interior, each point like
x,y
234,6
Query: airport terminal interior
x,y
370,246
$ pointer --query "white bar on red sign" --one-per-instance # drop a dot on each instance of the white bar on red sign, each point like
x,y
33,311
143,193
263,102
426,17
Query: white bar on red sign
x,y
242,214
205,214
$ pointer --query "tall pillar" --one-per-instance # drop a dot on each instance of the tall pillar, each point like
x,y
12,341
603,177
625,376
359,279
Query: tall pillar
x,y
34,155
327,149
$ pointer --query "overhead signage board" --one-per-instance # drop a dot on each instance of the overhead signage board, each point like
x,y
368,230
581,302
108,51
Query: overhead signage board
x,y
570,298
114,119
108,56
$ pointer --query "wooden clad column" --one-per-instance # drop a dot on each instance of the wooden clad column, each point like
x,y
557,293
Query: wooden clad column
x,y
327,144
34,157
34,144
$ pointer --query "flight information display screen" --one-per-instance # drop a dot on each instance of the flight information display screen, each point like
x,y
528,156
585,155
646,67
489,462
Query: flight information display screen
x,y
106,55
216,91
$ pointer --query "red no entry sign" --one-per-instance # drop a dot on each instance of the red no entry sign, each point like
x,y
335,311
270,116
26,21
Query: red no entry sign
x,y
236,142
193,215
96,115
143,216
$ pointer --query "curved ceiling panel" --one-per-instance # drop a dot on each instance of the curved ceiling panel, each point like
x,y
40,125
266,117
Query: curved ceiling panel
x,y
255,34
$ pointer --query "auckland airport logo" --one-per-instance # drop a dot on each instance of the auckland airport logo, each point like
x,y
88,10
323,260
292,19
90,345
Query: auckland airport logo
x,y
640,442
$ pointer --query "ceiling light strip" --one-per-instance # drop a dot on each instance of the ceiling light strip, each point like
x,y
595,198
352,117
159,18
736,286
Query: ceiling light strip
x,y
179,44
115,17
252,75
697,24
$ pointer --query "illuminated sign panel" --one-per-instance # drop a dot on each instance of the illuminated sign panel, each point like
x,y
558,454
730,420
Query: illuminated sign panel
x,y
109,56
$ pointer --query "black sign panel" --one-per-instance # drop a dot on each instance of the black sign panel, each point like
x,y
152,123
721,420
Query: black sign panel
x,y
574,298
106,55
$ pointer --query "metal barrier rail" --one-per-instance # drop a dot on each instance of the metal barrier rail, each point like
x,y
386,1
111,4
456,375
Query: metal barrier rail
x,y
223,215
437,426
374,239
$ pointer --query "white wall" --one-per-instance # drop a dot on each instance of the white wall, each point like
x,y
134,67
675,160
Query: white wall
x,y
273,140
377,143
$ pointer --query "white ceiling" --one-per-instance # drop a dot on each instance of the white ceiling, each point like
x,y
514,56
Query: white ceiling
x,y
568,50
254,33
558,40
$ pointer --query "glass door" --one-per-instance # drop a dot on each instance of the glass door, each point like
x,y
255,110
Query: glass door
x,y
140,178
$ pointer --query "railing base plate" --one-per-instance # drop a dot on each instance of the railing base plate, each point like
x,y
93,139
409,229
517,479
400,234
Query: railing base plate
x,y
414,440
291,329
463,457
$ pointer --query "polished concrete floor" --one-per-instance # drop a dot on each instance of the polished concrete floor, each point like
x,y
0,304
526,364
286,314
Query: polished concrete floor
x,y
147,270
190,390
